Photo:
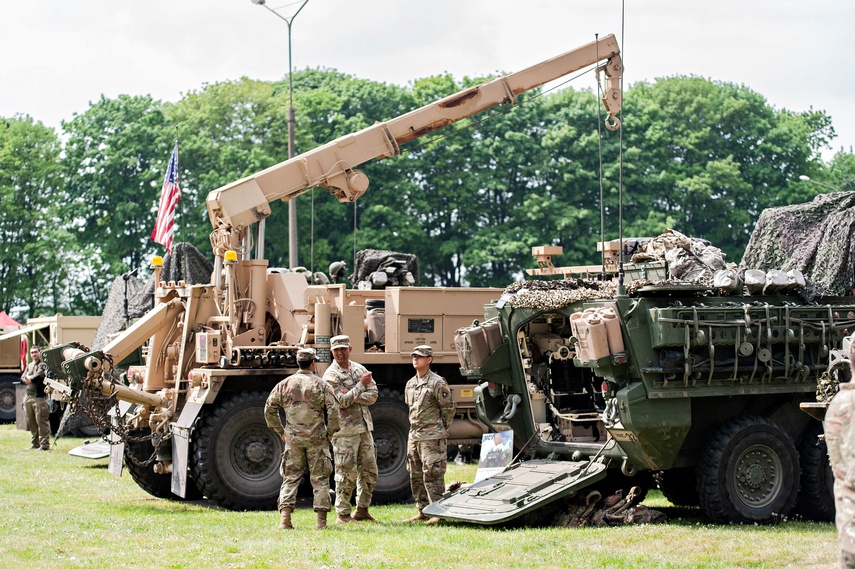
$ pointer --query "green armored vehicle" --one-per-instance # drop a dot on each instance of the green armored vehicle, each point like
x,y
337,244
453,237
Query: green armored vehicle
x,y
695,385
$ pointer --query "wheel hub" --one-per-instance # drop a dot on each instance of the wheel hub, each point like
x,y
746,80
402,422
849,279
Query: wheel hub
x,y
255,451
384,449
7,399
252,452
388,448
758,480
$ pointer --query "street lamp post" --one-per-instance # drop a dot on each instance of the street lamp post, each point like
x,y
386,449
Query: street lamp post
x,y
843,184
292,204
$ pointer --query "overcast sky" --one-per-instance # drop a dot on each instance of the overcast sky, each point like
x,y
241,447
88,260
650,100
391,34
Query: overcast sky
x,y
58,55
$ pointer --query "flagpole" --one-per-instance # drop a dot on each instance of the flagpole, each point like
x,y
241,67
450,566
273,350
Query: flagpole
x,y
180,213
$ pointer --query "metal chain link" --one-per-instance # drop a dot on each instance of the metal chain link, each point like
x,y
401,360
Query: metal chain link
x,y
98,410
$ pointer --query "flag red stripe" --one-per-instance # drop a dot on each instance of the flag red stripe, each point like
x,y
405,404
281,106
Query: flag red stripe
x,y
164,225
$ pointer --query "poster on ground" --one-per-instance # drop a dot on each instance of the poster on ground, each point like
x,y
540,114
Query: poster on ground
x,y
497,451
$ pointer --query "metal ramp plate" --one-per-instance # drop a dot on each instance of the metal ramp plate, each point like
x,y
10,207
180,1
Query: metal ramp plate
x,y
521,488
99,449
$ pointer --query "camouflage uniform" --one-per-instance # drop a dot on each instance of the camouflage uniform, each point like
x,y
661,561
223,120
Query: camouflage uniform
x,y
36,405
353,445
305,398
431,414
840,439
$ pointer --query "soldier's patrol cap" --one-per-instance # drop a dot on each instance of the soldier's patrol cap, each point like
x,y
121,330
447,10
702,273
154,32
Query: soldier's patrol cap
x,y
339,342
424,351
306,355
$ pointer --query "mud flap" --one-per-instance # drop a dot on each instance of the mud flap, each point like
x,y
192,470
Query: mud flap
x,y
520,489
117,448
181,446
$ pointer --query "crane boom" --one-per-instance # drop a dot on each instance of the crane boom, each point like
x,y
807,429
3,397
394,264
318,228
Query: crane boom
x,y
235,206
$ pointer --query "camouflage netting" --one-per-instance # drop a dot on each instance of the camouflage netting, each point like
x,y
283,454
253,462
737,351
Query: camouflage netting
x,y
370,260
185,263
817,238
690,261
554,295
113,317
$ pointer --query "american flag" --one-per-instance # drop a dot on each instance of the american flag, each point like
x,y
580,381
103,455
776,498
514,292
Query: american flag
x,y
164,226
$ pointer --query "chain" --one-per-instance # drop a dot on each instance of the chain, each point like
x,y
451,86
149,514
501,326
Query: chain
x,y
97,407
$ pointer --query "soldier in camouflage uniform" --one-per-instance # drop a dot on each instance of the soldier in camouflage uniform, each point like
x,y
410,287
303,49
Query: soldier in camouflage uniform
x,y
305,399
353,445
839,426
35,401
431,414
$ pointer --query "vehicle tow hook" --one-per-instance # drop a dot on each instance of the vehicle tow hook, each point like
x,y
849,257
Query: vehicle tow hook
x,y
510,407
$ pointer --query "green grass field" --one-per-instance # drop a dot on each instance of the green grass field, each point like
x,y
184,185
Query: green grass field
x,y
62,511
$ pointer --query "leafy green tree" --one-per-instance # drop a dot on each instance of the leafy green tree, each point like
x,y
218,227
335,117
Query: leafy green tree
x,y
115,160
36,246
711,156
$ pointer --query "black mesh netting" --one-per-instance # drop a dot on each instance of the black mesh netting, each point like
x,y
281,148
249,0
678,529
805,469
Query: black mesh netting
x,y
817,238
185,263
370,260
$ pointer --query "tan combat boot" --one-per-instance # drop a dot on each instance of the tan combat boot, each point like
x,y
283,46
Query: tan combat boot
x,y
361,514
344,519
420,517
285,523
322,519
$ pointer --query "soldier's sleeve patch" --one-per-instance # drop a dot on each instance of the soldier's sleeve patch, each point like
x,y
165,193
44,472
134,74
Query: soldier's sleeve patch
x,y
445,392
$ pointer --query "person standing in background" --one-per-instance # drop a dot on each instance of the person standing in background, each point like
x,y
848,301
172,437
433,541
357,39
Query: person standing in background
x,y
35,401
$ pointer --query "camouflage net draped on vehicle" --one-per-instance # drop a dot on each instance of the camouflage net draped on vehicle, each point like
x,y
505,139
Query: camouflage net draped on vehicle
x,y
185,263
689,261
817,238
370,260
554,295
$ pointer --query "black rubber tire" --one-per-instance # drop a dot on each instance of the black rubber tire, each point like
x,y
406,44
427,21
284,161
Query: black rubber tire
x,y
749,473
235,456
816,496
391,428
158,485
679,486
7,400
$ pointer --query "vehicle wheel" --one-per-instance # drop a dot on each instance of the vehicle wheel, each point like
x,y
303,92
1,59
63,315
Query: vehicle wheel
x,y
235,456
7,401
749,473
816,497
391,428
678,486
158,485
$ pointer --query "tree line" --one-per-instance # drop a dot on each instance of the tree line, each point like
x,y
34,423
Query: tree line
x,y
700,156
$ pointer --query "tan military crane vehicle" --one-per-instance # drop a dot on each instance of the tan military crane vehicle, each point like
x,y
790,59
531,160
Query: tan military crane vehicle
x,y
191,418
